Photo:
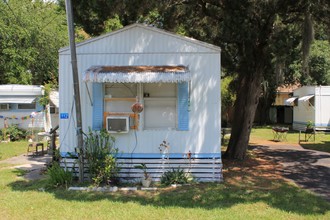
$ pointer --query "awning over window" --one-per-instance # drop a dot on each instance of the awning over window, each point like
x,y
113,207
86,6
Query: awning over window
x,y
19,100
137,74
305,98
289,101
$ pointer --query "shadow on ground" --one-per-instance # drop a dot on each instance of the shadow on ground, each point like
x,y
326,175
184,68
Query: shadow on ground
x,y
244,184
308,169
324,146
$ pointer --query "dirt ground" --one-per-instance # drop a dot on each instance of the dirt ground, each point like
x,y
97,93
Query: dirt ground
x,y
270,162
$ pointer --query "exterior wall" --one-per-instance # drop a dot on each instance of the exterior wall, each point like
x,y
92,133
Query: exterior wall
x,y
15,115
303,112
13,93
54,120
145,47
204,134
280,98
322,107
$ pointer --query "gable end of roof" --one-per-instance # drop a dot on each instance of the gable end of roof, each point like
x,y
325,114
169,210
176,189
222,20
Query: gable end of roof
x,y
150,28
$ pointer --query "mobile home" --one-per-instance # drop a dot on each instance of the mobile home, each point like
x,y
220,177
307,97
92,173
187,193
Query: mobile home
x,y
311,103
175,78
19,106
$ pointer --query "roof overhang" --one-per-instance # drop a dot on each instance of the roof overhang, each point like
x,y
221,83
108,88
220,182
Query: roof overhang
x,y
137,74
19,100
305,98
21,90
289,101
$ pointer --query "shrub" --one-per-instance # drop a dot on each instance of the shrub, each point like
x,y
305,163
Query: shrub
x,y
174,176
101,157
59,176
108,172
15,133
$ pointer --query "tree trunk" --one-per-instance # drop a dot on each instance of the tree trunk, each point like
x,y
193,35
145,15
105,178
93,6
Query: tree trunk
x,y
245,108
308,37
263,111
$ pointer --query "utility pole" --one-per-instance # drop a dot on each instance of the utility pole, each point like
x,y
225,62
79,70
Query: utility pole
x,y
69,15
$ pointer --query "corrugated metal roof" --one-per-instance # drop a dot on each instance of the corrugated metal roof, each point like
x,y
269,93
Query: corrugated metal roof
x,y
15,89
137,74
20,100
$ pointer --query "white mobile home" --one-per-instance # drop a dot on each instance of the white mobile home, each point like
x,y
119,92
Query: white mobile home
x,y
177,79
312,103
19,106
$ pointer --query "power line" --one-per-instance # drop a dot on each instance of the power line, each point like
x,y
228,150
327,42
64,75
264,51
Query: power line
x,y
12,11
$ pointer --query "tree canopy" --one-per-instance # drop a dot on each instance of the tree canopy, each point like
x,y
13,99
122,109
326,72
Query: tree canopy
x,y
31,33
263,42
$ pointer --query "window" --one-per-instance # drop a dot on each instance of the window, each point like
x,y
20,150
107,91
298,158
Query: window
x,y
119,97
160,110
4,106
53,110
27,106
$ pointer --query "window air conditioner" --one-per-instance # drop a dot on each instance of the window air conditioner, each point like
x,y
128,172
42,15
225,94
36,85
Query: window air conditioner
x,y
117,124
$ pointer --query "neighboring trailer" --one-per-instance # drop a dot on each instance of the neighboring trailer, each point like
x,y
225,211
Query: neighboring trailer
x,y
19,106
177,79
311,103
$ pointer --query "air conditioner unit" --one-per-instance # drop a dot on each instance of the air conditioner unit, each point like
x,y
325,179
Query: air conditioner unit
x,y
4,106
117,124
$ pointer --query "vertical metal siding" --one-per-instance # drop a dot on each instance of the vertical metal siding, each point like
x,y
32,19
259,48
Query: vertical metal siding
x,y
141,40
204,135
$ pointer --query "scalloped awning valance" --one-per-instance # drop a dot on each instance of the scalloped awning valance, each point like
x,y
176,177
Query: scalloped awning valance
x,y
137,74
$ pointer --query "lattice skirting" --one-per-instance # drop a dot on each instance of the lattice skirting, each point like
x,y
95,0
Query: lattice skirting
x,y
203,170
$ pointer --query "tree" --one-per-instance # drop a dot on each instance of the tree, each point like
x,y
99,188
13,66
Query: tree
x,y
31,33
319,62
250,34
256,37
97,17
227,99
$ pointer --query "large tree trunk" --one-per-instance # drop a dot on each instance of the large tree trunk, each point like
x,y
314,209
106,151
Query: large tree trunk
x,y
308,37
245,108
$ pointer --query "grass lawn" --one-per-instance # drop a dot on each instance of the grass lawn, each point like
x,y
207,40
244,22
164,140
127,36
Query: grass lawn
x,y
11,149
253,189
322,140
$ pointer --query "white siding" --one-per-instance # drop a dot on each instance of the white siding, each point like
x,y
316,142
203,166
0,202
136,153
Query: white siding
x,y
138,38
140,46
322,106
36,124
319,113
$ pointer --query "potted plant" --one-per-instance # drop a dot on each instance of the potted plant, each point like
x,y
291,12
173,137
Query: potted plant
x,y
309,126
146,179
